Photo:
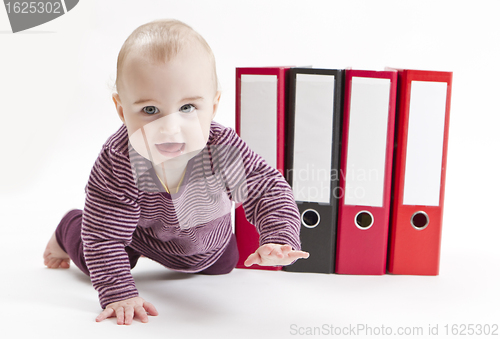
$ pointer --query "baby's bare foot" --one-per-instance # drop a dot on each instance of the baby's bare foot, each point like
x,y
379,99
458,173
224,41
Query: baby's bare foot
x,y
54,256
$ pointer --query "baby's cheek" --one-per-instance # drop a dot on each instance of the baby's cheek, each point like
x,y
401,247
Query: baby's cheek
x,y
136,139
198,133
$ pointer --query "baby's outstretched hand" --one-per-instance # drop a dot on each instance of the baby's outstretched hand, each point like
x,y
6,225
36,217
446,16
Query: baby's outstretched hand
x,y
125,310
274,255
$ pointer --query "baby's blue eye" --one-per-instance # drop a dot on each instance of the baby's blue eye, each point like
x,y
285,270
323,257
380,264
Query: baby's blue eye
x,y
150,110
187,108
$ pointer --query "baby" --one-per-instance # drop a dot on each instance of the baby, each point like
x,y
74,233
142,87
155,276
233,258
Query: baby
x,y
163,185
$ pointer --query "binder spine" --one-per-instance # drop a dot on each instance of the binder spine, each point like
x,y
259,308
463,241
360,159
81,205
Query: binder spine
x,y
416,224
247,236
318,218
362,232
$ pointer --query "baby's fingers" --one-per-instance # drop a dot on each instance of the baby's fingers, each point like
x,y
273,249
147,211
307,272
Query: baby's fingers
x,y
120,315
140,313
150,308
129,315
298,255
286,249
253,258
267,249
271,251
108,312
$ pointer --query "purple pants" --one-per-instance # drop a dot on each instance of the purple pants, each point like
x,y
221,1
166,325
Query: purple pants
x,y
68,235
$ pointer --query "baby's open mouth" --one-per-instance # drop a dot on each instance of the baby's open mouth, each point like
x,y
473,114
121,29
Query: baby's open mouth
x,y
171,148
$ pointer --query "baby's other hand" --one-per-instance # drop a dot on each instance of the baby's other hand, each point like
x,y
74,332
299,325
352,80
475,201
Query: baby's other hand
x,y
275,255
125,310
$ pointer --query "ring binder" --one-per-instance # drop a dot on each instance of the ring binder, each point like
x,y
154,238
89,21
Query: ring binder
x,y
313,160
419,173
260,122
368,137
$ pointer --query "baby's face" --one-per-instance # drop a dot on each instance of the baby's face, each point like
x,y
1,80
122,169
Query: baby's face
x,y
168,107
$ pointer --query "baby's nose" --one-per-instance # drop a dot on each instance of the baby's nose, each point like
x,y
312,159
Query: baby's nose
x,y
170,124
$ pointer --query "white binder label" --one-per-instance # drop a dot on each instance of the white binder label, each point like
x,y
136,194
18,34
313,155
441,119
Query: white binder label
x,y
313,132
259,109
424,150
367,141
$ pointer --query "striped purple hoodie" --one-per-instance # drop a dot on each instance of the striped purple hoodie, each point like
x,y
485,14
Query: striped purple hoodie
x,y
187,231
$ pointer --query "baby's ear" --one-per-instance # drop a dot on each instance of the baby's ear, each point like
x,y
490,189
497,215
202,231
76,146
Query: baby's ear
x,y
216,103
118,105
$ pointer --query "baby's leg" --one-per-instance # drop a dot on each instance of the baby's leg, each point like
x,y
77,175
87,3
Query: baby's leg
x,y
66,243
54,256
226,262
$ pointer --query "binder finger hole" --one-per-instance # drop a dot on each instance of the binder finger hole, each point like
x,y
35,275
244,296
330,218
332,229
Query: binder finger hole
x,y
420,220
363,220
310,218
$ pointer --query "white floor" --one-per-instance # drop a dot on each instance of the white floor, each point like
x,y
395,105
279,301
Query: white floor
x,y
56,112
39,302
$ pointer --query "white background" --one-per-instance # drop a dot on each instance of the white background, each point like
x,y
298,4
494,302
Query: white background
x,y
56,112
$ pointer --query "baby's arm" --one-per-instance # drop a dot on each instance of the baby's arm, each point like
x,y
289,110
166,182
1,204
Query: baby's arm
x,y
267,200
109,220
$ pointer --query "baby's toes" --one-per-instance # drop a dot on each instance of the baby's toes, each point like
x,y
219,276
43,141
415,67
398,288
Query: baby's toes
x,y
57,263
64,263
53,262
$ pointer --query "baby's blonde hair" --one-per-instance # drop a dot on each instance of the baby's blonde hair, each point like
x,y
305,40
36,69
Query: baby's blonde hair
x,y
161,40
